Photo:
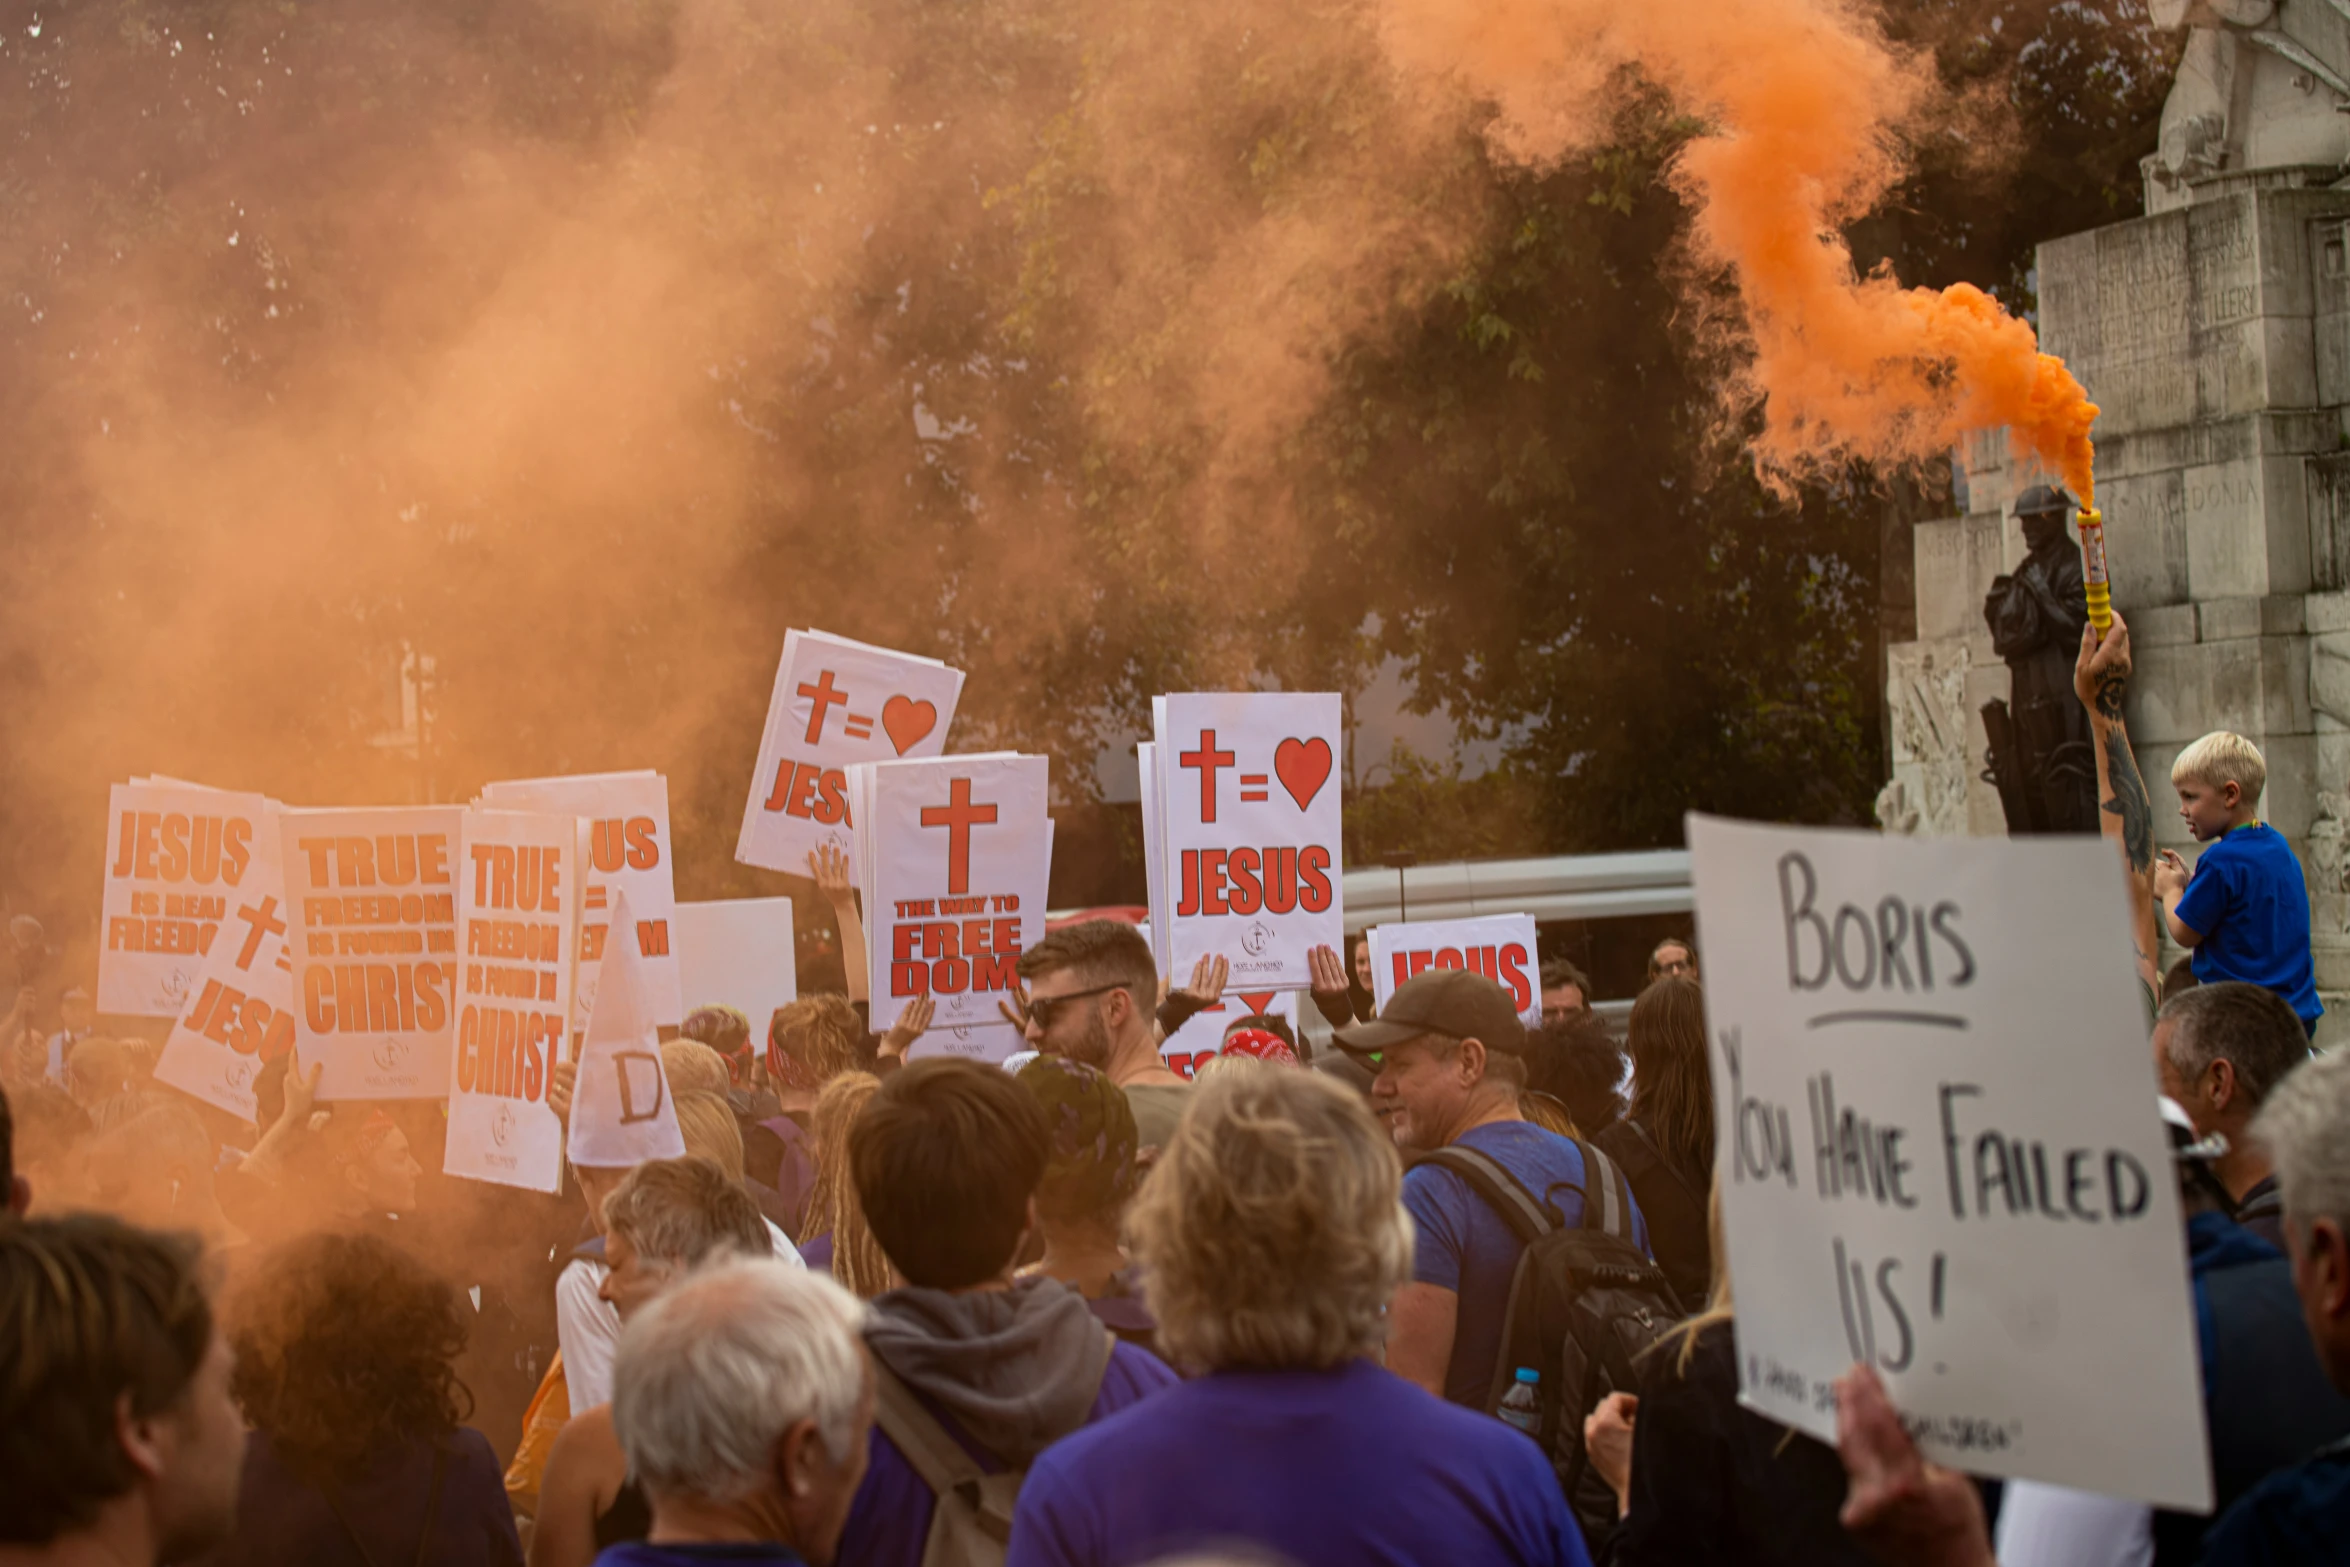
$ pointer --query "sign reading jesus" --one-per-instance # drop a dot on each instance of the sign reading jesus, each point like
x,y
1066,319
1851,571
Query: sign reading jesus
x,y
1247,795
955,862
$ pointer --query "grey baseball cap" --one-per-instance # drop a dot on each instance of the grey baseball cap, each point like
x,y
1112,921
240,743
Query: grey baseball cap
x,y
1456,1003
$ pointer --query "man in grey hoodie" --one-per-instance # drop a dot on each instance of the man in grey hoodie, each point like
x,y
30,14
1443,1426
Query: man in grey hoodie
x,y
946,1159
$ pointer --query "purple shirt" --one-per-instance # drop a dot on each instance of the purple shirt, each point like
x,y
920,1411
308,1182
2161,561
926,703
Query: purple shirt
x,y
1347,1468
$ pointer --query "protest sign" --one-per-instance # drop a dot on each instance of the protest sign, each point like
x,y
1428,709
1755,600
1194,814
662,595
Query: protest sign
x,y
520,888
372,895
739,953
1498,946
175,855
621,1111
1201,1038
1939,1152
957,856
836,702
240,1014
1154,853
1248,788
988,1042
628,851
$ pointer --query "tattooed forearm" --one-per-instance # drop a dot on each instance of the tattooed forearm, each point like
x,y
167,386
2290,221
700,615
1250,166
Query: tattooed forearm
x,y
2129,800
2109,696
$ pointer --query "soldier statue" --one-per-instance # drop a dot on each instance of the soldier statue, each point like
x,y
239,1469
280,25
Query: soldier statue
x,y
2040,747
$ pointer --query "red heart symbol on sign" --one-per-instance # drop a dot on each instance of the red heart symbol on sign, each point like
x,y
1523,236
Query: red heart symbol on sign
x,y
1303,765
1258,1002
907,721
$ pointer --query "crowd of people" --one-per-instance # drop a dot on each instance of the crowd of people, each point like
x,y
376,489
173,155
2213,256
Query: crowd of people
x,y
1440,1291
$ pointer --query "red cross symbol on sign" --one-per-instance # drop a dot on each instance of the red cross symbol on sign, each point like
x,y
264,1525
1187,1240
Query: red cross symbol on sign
x,y
1207,759
264,921
823,697
958,816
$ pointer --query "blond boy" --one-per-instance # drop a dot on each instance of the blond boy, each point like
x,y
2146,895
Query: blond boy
x,y
2244,910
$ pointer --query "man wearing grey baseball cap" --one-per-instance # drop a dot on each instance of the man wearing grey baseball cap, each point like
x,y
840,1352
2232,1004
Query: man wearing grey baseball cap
x,y
1448,1052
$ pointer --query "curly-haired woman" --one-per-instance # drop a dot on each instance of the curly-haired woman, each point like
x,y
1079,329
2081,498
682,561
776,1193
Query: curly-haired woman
x,y
346,1352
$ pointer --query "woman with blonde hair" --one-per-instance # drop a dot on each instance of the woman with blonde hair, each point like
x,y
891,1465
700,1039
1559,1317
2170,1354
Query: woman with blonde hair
x,y
839,1241
1272,1236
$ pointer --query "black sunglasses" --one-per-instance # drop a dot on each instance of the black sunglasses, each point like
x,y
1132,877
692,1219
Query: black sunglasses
x,y
1045,1008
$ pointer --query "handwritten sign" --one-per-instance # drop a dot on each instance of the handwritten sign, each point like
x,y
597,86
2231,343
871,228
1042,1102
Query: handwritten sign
x,y
1498,946
373,894
621,1112
739,952
1939,1151
1248,788
957,853
520,889
1201,1038
175,855
628,851
836,702
240,1014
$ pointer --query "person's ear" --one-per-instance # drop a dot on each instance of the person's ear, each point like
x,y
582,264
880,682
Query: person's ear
x,y
141,1439
2219,1083
20,1195
797,1453
1470,1061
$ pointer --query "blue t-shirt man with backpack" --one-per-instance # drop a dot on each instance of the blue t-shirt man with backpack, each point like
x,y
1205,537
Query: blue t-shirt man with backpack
x,y
1449,1053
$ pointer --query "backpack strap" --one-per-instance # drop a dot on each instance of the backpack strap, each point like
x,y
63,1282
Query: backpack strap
x,y
943,1463
1605,1193
1527,1215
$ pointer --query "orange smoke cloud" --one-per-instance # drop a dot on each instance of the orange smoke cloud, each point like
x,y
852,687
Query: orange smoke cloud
x,y
1802,99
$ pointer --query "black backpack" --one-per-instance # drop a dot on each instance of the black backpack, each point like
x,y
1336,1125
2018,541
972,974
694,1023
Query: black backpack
x,y
1585,1304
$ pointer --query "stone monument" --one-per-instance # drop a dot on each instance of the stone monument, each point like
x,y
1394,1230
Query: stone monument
x,y
2214,332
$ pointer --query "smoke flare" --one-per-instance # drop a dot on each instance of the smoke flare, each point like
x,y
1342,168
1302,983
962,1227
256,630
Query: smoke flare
x,y
1802,98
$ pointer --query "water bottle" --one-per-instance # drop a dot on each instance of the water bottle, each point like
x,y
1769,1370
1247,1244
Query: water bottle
x,y
1521,1406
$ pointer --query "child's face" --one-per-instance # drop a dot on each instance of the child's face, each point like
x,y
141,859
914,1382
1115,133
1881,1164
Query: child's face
x,y
2207,810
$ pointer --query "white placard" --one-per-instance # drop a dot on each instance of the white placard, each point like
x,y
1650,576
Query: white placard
x,y
1248,787
628,851
373,898
241,1013
1498,946
836,702
740,953
988,1042
1201,1038
1154,853
958,854
1939,1151
621,1110
175,855
520,888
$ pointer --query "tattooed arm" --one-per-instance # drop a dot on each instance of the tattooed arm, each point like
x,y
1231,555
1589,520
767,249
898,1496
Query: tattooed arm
x,y
2101,678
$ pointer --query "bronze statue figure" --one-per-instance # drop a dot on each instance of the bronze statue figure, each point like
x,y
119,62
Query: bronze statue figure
x,y
2040,744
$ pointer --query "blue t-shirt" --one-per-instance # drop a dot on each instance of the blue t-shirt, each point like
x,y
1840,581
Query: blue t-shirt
x,y
1347,1468
758,1553
1462,1245
2248,902
889,1523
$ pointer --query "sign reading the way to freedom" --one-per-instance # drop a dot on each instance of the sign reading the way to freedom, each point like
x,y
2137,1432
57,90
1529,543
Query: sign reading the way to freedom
x,y
955,863
520,888
1247,793
373,892
1498,946
836,702
1939,1152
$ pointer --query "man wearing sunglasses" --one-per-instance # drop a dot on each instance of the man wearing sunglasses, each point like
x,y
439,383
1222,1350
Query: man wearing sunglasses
x,y
1093,991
